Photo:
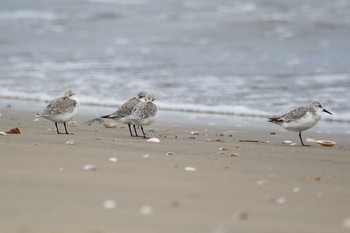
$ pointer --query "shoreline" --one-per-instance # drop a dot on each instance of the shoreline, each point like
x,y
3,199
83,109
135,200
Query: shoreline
x,y
210,182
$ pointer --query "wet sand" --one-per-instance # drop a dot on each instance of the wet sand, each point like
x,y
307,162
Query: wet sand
x,y
250,187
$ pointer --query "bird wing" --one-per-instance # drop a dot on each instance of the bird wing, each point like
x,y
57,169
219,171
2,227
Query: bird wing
x,y
124,110
59,106
295,114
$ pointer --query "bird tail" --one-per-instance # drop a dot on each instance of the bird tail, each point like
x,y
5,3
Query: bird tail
x,y
110,116
275,119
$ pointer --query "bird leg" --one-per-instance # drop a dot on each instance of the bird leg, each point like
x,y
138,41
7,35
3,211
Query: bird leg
x,y
130,131
302,143
65,127
57,128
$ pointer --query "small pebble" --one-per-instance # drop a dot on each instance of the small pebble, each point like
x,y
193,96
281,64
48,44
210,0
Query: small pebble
x,y
243,215
234,154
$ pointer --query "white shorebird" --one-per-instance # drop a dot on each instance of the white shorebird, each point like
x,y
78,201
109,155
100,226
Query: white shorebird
x,y
62,109
300,119
123,113
144,113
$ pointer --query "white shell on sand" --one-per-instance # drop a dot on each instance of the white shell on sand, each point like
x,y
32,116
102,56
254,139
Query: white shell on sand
x,y
109,204
190,169
110,125
3,134
287,142
223,149
146,210
194,133
70,142
89,167
145,156
113,159
346,223
155,140
326,142
36,120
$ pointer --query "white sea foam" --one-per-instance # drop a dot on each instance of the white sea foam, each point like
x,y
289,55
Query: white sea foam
x,y
27,15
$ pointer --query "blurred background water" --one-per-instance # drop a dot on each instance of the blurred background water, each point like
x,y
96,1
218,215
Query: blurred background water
x,y
256,57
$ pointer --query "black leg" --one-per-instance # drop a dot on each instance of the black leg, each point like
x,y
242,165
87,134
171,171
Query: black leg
x,y
130,131
144,135
302,143
135,131
65,127
57,128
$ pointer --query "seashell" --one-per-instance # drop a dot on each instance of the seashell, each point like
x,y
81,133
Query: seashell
x,y
113,159
145,156
208,140
293,144
170,153
146,210
223,149
346,223
109,204
89,167
110,125
261,182
234,154
36,120
3,134
326,142
154,140
70,142
296,189
281,200
190,169
287,142
194,133
14,131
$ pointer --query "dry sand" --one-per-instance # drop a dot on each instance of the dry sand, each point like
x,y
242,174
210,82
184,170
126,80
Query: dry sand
x,y
268,188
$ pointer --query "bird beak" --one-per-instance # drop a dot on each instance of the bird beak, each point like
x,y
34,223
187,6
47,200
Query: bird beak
x,y
327,111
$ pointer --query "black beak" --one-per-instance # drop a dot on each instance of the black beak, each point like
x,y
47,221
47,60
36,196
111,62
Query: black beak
x,y
327,111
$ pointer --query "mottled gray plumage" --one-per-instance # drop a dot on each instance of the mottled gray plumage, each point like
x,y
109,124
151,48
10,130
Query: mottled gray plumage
x,y
123,113
144,113
62,109
301,118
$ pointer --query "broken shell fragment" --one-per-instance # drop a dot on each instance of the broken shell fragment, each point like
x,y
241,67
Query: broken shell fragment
x,y
194,133
287,142
223,149
326,142
154,140
89,167
36,120
190,169
109,204
310,140
170,153
70,142
113,159
14,131
110,125
3,134
146,210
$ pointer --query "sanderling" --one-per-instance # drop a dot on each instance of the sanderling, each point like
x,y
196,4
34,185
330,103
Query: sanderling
x,y
123,113
144,113
62,109
300,119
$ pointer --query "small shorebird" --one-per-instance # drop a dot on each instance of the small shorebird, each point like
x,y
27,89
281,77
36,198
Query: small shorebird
x,y
300,119
123,113
62,109
144,113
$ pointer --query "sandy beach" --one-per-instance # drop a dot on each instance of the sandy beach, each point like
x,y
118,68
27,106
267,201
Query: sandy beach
x,y
138,187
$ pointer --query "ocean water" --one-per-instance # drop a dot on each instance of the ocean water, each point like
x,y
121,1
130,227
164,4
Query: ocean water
x,y
255,58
